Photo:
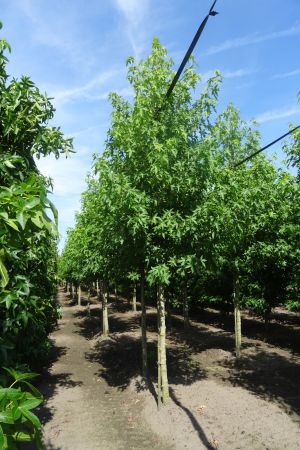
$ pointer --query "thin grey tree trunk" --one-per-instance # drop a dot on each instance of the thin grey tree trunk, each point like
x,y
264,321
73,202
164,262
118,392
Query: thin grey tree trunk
x,y
237,317
79,295
162,360
144,329
159,390
105,326
88,301
134,298
186,319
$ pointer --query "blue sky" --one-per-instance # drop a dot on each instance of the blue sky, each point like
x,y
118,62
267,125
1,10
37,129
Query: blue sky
x,y
76,52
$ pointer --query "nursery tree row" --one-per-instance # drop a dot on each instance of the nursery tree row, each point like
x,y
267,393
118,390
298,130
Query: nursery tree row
x,y
166,210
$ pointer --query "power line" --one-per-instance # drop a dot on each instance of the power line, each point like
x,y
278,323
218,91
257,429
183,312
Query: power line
x,y
190,50
265,147
182,66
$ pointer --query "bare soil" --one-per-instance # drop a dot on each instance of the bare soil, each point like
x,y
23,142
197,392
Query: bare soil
x,y
95,398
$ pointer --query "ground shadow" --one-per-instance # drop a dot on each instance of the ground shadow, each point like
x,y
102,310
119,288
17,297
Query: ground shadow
x,y
265,373
47,384
269,376
47,446
198,338
283,330
194,421
91,325
120,359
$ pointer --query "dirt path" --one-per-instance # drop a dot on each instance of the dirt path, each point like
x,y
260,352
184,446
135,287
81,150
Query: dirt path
x,y
82,412
95,398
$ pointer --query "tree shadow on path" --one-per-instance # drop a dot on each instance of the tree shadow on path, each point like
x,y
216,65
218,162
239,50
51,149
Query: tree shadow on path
x,y
48,384
270,376
197,354
194,421
91,324
283,332
120,356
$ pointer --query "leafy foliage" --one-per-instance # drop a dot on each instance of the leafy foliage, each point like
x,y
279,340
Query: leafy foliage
x,y
165,201
17,400
28,229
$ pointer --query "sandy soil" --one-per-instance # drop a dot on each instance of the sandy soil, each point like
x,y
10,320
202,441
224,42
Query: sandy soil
x,y
82,411
97,400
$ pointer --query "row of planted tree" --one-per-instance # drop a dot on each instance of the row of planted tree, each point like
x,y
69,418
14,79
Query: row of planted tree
x,y
28,254
165,208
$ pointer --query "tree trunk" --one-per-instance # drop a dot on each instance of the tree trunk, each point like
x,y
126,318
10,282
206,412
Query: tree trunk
x,y
73,291
186,319
134,298
144,329
159,391
88,302
237,317
105,327
79,295
97,288
162,360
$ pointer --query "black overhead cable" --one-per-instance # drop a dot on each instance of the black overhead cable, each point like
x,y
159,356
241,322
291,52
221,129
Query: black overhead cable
x,y
190,50
182,66
265,147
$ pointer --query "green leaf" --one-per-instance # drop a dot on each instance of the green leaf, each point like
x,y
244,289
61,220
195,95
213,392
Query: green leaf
x,y
9,164
34,390
3,274
6,417
19,376
22,436
32,203
22,219
54,210
12,224
31,403
37,220
10,393
31,417
4,215
1,438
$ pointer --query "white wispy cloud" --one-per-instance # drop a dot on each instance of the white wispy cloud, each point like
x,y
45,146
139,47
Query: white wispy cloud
x,y
68,174
124,92
276,114
287,74
253,39
84,91
135,12
59,32
227,74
